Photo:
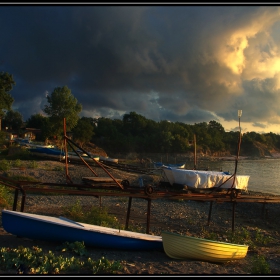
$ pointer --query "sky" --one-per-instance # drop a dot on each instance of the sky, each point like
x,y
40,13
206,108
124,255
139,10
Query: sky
x,y
180,63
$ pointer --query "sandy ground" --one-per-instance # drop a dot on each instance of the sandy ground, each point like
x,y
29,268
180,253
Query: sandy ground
x,y
178,216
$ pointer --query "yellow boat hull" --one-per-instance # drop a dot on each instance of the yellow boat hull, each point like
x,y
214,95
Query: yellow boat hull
x,y
178,246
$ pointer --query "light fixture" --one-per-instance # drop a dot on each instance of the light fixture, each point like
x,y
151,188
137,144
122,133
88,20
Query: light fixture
x,y
239,113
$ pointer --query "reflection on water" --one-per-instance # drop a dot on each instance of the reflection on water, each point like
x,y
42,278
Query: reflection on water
x,y
264,173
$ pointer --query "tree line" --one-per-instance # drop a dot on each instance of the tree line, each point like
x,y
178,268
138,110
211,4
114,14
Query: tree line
x,y
132,133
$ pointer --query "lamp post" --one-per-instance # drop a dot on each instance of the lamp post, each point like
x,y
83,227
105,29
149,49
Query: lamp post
x,y
239,113
238,150
239,116
239,141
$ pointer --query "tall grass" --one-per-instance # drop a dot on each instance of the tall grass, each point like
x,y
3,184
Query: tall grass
x,y
6,197
95,215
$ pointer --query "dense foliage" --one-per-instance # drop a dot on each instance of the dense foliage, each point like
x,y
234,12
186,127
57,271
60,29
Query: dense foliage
x,y
135,133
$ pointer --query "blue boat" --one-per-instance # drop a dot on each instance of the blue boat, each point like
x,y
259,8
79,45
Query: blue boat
x,y
48,153
60,229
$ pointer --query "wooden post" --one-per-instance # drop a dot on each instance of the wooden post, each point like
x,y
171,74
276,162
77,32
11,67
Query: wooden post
x,y
210,211
15,200
128,213
66,153
148,216
22,202
233,215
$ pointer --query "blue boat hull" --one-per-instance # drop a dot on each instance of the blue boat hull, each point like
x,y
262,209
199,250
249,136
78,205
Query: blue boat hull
x,y
49,151
22,225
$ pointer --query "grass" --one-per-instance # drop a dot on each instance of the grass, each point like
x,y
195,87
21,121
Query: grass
x,y
6,165
260,265
6,196
35,261
96,216
254,239
241,235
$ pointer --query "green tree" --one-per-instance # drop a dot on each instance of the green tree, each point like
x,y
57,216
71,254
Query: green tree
x,y
36,121
214,126
6,85
83,131
40,122
3,139
135,123
13,120
62,104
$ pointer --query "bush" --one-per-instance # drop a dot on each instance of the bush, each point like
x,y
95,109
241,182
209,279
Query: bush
x,y
5,165
260,265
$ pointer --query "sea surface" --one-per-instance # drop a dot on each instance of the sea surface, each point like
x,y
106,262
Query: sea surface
x,y
264,173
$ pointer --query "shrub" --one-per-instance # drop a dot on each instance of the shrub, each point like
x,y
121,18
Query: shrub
x,y
5,165
260,265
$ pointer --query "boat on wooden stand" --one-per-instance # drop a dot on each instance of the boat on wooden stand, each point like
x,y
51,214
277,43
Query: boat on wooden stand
x,y
199,180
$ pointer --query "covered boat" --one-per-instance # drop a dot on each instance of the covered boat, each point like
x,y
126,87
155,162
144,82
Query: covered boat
x,y
178,246
199,179
60,229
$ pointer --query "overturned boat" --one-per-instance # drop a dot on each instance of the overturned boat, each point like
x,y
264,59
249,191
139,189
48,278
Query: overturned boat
x,y
60,229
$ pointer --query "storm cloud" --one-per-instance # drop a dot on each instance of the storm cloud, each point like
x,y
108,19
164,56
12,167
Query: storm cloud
x,y
174,62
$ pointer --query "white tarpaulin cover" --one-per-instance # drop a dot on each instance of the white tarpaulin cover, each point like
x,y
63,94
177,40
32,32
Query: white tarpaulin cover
x,y
205,179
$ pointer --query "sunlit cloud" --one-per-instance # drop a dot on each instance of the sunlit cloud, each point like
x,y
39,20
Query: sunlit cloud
x,y
180,63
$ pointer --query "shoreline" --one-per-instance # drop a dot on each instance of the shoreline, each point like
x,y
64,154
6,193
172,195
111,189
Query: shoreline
x,y
233,158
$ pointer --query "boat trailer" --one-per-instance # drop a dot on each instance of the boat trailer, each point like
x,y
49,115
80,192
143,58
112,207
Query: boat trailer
x,y
109,186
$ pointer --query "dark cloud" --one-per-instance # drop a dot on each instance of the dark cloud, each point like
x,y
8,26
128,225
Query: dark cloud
x,y
178,63
259,125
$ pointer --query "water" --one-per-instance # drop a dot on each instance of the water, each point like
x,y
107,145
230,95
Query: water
x,y
264,173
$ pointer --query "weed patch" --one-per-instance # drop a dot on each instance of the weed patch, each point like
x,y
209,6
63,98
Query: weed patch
x,y
35,261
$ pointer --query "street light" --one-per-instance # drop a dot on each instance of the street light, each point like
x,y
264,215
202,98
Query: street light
x,y
239,113
239,116
239,142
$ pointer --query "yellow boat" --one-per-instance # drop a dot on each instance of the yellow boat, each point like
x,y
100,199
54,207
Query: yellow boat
x,y
178,246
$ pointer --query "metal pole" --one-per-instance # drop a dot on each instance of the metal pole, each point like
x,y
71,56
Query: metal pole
x,y
66,153
194,140
238,149
210,212
233,216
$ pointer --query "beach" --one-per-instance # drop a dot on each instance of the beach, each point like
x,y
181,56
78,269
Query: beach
x,y
184,217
